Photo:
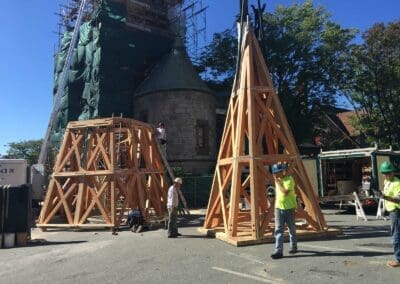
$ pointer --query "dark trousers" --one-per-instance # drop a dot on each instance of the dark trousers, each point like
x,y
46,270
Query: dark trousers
x,y
172,225
395,231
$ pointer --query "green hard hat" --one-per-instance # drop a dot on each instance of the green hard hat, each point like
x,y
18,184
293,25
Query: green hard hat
x,y
386,167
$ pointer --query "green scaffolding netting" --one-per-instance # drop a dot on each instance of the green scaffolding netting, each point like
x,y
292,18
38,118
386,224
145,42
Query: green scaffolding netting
x,y
108,64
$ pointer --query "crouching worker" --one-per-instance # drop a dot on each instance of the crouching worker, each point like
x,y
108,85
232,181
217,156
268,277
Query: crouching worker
x,y
285,207
135,221
172,205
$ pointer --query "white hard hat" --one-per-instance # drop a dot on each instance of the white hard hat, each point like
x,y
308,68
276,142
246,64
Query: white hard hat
x,y
178,180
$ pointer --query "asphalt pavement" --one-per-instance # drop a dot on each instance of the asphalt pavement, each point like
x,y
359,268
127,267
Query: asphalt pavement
x,y
96,256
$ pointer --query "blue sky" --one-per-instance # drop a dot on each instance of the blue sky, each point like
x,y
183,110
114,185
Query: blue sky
x,y
28,44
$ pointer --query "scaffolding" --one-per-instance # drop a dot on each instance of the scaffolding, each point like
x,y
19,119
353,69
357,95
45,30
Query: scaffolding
x,y
68,13
186,18
192,18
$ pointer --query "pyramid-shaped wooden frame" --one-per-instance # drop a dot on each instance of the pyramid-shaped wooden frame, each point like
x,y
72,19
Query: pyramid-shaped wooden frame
x,y
256,135
104,168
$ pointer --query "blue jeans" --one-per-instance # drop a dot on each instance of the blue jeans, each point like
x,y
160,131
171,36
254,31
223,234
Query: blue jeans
x,y
283,217
395,231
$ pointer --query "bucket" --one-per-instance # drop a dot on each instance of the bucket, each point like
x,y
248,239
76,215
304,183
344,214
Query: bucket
x,y
9,240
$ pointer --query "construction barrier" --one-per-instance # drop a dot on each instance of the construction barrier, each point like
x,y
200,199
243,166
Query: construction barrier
x,y
14,215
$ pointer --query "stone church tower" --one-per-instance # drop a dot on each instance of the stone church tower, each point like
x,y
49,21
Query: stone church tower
x,y
119,43
174,94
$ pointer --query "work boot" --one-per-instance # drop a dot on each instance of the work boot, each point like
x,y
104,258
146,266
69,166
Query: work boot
x,y
293,251
276,255
393,263
139,229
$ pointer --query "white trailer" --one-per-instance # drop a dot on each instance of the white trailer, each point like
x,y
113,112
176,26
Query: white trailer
x,y
13,172
342,172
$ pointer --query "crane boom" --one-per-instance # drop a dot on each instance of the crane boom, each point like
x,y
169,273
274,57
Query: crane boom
x,y
38,170
62,83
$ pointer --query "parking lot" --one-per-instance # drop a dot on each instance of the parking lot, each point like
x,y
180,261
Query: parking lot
x,y
358,255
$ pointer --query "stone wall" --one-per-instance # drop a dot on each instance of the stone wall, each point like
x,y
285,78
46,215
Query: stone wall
x,y
189,118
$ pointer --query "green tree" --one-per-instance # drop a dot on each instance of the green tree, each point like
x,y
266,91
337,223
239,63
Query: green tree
x,y
307,57
28,150
375,87
219,58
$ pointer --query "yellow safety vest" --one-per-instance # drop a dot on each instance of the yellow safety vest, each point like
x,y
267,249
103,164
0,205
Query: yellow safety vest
x,y
288,201
392,188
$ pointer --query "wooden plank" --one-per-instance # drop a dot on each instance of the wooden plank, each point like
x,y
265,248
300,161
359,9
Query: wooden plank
x,y
252,126
113,204
302,235
229,161
222,199
86,225
252,88
107,172
238,144
79,203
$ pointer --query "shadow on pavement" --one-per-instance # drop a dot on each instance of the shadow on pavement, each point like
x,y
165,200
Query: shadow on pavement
x,y
356,232
43,242
362,232
196,237
308,253
195,220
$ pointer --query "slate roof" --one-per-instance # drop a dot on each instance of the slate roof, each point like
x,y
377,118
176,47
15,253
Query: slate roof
x,y
174,72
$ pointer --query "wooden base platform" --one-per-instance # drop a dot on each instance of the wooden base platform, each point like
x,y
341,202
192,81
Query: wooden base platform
x,y
75,226
248,241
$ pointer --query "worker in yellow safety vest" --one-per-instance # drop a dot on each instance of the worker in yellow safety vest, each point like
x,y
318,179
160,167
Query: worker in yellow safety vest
x,y
391,193
285,207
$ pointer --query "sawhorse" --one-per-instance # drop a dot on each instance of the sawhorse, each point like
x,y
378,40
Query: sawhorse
x,y
359,209
381,209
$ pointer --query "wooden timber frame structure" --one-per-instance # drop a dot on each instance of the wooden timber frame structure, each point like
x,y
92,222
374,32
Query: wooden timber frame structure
x,y
256,135
104,168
